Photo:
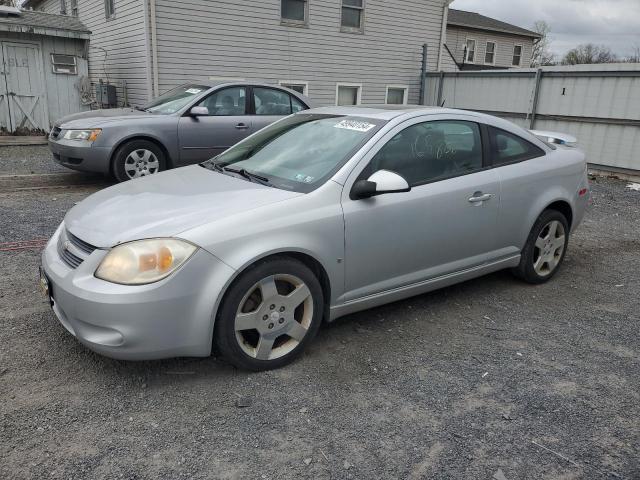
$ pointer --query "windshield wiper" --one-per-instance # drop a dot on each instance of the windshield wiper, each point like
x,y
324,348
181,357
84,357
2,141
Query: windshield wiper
x,y
140,109
254,177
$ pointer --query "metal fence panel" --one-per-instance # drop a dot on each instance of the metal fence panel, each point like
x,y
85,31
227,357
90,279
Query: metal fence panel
x,y
599,104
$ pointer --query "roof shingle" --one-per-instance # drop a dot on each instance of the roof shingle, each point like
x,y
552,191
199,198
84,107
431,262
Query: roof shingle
x,y
41,20
461,18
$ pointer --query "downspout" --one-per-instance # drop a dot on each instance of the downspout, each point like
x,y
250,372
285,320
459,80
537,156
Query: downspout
x,y
154,47
147,49
443,31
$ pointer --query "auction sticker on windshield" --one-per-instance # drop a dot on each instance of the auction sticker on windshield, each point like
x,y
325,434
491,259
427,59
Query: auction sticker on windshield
x,y
193,91
356,125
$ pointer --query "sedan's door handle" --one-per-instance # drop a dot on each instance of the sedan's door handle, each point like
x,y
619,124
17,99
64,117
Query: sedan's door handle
x,y
242,126
480,197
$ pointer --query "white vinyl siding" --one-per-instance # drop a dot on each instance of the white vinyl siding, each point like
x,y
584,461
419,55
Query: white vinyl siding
x,y
199,39
457,37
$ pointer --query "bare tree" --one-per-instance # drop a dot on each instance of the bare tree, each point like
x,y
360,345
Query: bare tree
x,y
542,48
588,54
634,57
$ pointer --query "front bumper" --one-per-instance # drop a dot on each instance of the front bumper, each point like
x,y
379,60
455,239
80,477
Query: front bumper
x,y
170,318
80,155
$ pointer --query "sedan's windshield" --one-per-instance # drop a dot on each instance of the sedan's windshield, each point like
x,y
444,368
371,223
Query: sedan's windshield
x,y
300,152
173,100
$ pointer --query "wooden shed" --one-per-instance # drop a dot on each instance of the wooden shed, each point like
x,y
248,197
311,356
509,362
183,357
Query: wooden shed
x,y
44,72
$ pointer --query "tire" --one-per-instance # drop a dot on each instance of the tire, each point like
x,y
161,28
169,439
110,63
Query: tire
x,y
269,315
138,158
545,248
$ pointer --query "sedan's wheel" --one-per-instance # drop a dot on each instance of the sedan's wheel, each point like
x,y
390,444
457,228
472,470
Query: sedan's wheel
x,y
138,158
269,314
545,248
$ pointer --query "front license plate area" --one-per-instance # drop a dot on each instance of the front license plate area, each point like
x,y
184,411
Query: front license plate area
x,y
45,286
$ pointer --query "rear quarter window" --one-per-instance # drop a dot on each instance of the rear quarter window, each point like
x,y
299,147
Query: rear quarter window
x,y
507,148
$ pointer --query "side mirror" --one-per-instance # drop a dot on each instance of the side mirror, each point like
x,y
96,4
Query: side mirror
x,y
199,111
380,183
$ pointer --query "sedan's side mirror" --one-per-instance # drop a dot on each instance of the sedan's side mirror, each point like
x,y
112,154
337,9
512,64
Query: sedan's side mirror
x,y
199,111
380,183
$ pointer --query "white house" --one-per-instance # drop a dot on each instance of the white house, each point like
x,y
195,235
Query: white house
x,y
335,51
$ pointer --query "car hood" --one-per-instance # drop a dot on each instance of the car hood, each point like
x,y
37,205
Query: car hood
x,y
98,118
165,205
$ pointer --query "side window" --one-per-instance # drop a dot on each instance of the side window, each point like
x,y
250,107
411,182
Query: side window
x,y
431,151
509,148
269,101
296,105
230,101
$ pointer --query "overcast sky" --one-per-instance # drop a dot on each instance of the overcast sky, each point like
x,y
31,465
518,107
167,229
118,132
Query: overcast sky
x,y
615,23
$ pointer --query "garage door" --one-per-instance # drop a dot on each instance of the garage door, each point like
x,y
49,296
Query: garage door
x,y
22,101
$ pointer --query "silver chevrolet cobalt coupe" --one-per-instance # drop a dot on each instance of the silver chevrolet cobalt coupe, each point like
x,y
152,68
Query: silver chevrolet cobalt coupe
x,y
326,212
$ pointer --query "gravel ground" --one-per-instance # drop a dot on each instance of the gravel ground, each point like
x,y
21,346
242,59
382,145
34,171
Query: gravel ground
x,y
23,160
488,379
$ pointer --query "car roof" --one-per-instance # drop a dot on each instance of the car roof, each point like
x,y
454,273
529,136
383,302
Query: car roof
x,y
387,112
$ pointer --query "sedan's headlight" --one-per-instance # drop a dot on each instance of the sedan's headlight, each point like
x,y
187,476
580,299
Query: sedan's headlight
x,y
88,135
144,261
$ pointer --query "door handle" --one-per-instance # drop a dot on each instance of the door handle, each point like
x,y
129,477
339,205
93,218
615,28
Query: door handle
x,y
480,197
242,126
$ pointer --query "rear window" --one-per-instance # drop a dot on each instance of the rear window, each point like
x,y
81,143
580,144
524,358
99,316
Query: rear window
x,y
508,148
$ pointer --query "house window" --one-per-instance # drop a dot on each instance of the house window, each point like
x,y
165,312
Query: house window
x,y
348,94
74,8
352,15
63,7
65,64
294,11
490,53
109,8
397,94
300,87
517,55
470,51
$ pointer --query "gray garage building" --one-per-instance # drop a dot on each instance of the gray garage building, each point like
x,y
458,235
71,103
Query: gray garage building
x,y
45,61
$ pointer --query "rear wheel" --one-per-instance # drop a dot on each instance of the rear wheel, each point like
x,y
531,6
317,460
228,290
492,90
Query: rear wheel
x,y
269,315
545,248
138,158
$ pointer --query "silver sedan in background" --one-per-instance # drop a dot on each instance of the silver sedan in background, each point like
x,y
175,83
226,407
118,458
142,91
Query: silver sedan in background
x,y
324,213
186,125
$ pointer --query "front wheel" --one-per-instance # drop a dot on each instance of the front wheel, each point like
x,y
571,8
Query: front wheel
x,y
545,248
268,316
138,158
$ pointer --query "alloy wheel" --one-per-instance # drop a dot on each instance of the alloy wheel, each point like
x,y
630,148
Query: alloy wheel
x,y
274,316
140,163
549,248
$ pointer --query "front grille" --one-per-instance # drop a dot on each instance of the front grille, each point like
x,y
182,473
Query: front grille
x,y
81,244
69,258
55,132
72,250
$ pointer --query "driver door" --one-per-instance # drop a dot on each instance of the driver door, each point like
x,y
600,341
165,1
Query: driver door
x,y
445,224
228,122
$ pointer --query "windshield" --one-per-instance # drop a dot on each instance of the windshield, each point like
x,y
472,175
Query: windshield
x,y
300,152
174,100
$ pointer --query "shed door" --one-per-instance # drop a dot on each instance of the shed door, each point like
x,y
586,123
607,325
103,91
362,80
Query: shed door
x,y
22,105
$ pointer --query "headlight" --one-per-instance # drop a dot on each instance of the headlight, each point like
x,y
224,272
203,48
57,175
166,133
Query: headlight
x,y
144,261
89,135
